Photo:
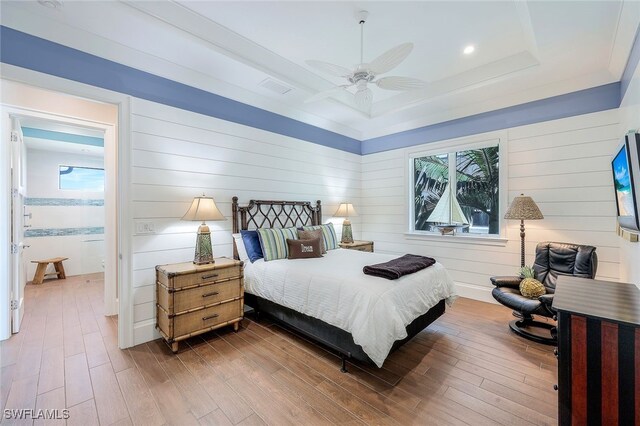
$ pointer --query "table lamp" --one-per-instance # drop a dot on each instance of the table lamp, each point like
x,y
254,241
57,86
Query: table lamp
x,y
202,209
523,208
345,210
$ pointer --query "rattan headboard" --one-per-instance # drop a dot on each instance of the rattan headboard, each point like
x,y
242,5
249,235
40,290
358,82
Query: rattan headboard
x,y
273,214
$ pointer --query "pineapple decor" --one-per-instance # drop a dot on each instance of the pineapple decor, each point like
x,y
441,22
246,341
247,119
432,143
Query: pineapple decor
x,y
530,286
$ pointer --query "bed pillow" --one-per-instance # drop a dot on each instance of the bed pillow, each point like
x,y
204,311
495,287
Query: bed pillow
x,y
242,252
273,242
252,245
328,234
304,249
310,235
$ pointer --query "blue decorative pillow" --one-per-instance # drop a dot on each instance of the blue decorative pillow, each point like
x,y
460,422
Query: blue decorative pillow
x,y
252,245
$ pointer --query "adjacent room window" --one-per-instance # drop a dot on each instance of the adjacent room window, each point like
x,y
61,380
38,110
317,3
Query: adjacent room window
x,y
81,178
457,190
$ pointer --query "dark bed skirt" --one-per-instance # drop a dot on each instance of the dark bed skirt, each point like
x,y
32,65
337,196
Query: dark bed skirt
x,y
330,336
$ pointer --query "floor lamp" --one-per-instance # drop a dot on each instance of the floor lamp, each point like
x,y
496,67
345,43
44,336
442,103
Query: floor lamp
x,y
523,208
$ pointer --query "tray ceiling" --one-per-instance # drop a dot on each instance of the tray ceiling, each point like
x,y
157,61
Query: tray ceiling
x,y
524,51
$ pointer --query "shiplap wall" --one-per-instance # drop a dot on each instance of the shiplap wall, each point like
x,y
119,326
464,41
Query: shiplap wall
x,y
177,155
563,164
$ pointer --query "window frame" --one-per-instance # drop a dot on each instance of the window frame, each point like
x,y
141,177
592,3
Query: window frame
x,y
60,188
451,147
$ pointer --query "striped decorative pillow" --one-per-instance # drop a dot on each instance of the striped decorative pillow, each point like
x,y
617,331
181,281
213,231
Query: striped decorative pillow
x,y
274,242
328,234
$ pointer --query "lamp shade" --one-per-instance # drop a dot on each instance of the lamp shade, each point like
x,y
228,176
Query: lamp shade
x,y
203,208
523,208
345,210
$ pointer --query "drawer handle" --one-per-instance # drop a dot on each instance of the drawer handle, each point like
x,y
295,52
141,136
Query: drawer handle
x,y
210,317
206,277
215,293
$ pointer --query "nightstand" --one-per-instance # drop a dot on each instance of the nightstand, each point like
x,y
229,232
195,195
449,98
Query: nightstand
x,y
358,245
193,299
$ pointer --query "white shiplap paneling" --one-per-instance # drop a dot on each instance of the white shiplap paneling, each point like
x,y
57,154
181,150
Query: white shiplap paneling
x,y
563,164
178,155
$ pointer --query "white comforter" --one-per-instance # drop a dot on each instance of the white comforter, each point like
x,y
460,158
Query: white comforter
x,y
333,289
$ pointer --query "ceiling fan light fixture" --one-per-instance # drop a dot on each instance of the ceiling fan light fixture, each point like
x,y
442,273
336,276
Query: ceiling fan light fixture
x,y
368,72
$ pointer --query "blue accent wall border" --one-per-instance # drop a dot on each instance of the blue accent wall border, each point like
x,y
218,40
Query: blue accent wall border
x,y
30,132
35,53
595,99
31,52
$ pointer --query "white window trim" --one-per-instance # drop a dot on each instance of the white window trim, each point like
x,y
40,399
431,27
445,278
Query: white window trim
x,y
452,146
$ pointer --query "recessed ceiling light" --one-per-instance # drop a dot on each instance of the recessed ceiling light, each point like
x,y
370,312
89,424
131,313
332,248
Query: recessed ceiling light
x,y
469,49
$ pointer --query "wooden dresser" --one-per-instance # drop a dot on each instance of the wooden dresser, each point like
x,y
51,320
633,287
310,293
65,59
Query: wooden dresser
x,y
598,352
358,245
193,299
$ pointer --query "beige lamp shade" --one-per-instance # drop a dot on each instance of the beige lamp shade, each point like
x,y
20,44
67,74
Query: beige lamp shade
x,y
203,208
523,208
345,210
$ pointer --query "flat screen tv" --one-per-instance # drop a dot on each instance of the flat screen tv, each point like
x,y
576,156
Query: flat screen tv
x,y
626,179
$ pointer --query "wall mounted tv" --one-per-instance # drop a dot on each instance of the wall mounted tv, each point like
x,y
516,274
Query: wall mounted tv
x,y
626,179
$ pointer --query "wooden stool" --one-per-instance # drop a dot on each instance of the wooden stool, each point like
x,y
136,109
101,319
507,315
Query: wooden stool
x,y
42,268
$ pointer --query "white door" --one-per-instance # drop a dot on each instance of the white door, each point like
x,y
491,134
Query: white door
x,y
18,190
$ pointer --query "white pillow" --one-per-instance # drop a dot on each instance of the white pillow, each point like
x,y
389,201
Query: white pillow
x,y
242,251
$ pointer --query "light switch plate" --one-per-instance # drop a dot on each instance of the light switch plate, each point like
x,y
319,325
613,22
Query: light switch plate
x,y
145,227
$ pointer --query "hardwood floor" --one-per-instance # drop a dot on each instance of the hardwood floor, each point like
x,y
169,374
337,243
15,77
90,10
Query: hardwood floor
x,y
466,368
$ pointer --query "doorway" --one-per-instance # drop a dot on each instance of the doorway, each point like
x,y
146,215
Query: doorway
x,y
65,206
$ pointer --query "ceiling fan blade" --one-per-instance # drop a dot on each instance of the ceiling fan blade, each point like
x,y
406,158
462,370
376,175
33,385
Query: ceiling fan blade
x,y
328,68
364,98
325,94
400,83
391,58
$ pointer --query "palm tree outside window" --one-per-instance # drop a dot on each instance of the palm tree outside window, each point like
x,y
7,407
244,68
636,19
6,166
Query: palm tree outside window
x,y
460,189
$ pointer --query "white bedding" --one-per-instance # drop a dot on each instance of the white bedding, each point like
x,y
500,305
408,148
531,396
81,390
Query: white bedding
x,y
334,289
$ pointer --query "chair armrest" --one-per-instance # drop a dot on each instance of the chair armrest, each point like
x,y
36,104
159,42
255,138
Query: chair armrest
x,y
506,281
546,299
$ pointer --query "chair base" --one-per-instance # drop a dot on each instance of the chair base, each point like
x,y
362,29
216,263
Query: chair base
x,y
523,328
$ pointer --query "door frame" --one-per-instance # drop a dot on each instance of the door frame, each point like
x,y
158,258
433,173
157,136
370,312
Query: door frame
x,y
121,161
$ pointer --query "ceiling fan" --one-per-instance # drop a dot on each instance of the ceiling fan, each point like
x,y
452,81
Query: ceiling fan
x,y
365,73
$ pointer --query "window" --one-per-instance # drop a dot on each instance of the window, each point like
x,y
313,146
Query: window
x,y
457,191
81,178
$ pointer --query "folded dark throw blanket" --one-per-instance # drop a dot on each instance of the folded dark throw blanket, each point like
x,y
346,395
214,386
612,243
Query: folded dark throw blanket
x,y
404,265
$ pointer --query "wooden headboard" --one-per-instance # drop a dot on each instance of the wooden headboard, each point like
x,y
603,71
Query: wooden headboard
x,y
273,214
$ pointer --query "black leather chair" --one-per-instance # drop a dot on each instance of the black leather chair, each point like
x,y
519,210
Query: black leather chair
x,y
552,260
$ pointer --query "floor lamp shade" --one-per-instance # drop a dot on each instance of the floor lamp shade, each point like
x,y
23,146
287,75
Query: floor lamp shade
x,y
523,208
346,210
203,209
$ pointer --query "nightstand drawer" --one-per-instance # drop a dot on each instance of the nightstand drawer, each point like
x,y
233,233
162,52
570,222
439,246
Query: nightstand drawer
x,y
199,278
184,300
192,322
358,246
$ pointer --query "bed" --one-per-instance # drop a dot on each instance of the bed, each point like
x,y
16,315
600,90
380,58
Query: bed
x,y
329,299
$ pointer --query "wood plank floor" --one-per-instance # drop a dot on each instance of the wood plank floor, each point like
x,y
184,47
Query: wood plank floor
x,y
466,368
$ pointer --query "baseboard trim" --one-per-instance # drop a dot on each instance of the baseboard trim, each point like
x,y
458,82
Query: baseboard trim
x,y
145,331
475,292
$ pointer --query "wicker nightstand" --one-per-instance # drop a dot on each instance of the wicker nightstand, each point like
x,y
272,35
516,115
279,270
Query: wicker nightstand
x,y
193,299
358,245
